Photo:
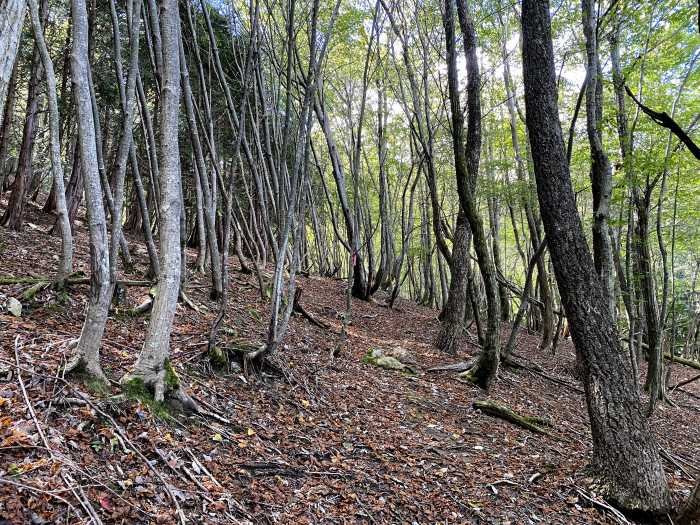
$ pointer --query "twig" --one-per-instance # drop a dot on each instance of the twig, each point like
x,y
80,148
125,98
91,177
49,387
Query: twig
x,y
40,491
619,517
84,502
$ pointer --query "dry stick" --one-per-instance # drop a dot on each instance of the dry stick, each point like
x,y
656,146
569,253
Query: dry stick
x,y
619,517
39,491
683,383
667,456
126,439
121,435
84,502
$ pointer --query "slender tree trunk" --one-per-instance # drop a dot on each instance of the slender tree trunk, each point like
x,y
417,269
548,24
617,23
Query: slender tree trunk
x,y
87,357
152,368
625,454
8,111
485,372
601,171
65,266
14,214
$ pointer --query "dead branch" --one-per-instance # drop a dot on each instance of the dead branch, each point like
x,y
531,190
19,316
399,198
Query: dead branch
x,y
665,120
532,423
461,366
298,308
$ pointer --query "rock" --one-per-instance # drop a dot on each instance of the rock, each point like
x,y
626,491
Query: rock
x,y
390,363
14,307
399,353
379,357
402,354
376,353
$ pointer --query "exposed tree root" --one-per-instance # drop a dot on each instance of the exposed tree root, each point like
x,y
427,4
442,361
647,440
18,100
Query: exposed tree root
x,y
252,357
492,408
536,369
161,386
185,299
85,368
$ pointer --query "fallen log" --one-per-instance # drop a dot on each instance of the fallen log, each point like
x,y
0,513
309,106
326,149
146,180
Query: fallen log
x,y
532,423
683,361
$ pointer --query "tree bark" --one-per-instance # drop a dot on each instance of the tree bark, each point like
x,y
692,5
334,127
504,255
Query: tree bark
x,y
65,266
87,356
453,314
625,454
11,22
152,367
14,214
601,171
466,159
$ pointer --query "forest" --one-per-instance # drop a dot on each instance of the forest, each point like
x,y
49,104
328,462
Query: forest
x,y
349,261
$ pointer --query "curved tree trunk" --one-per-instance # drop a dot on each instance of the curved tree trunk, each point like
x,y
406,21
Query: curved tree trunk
x,y
485,372
625,454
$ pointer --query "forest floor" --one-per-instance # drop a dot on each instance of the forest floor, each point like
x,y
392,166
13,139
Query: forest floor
x,y
333,440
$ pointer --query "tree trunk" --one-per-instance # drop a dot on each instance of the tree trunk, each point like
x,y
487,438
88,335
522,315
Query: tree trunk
x,y
625,454
601,171
14,214
453,314
690,512
11,22
485,372
87,356
152,367
8,111
65,266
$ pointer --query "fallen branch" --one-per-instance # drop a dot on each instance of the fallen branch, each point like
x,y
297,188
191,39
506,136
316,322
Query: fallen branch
x,y
535,369
671,459
506,413
461,366
298,308
619,517
683,383
6,280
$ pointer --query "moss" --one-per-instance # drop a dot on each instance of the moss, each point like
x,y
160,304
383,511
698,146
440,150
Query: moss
x,y
255,314
95,385
136,390
218,358
172,380
369,358
98,387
